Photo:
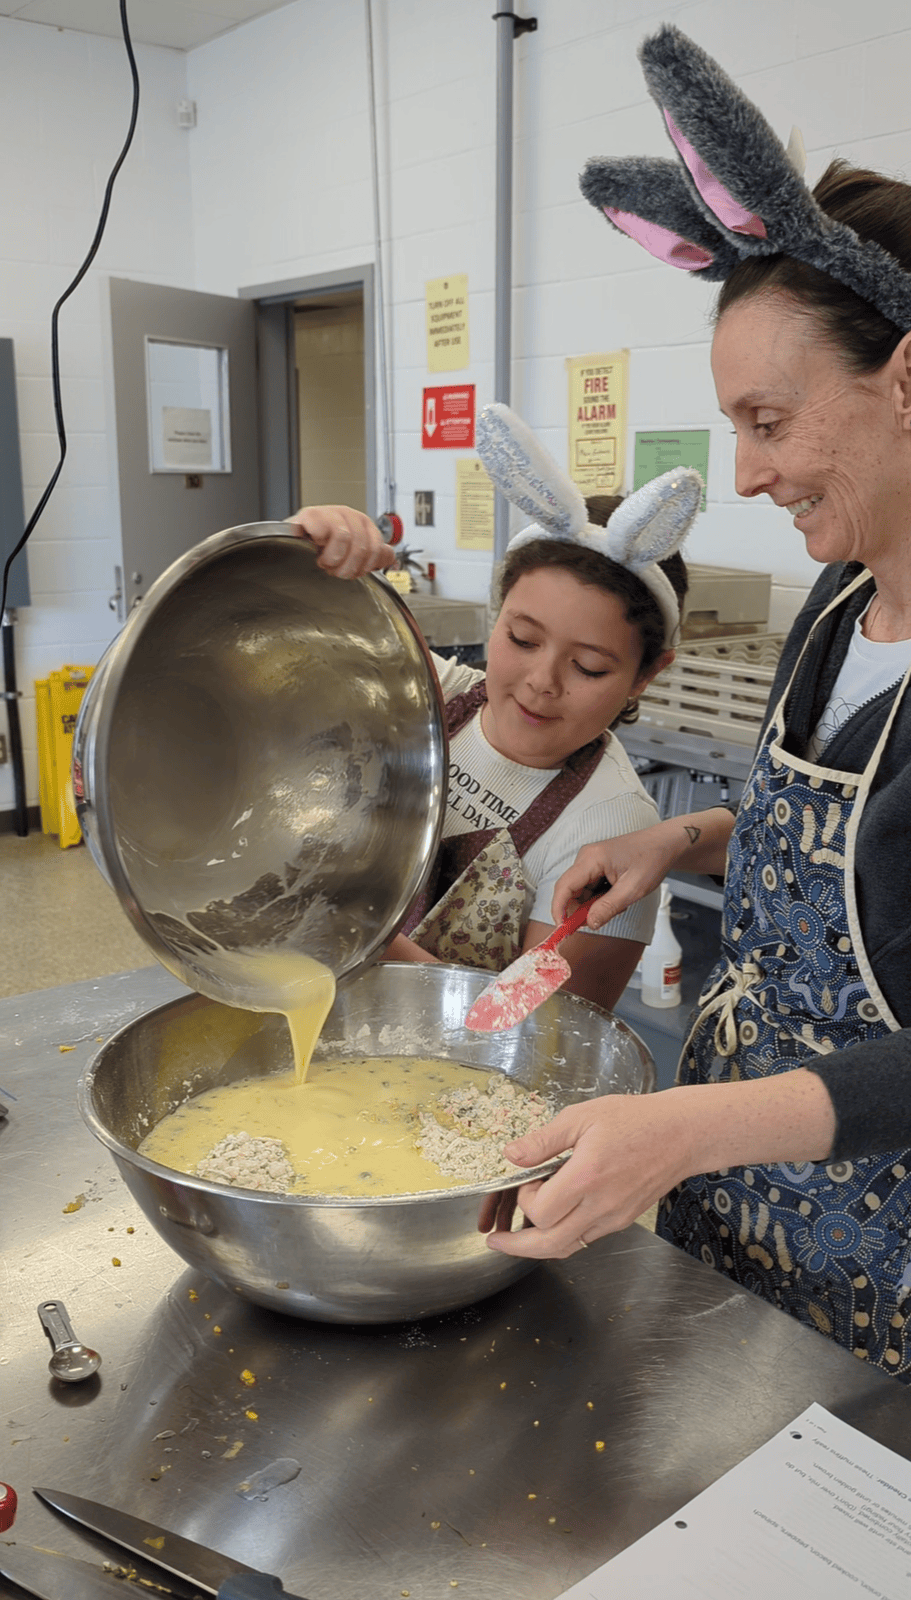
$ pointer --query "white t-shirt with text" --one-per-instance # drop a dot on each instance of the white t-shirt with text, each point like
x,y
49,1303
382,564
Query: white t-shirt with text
x,y
487,790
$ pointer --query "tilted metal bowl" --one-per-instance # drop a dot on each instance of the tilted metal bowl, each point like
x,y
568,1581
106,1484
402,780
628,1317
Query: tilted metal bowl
x,y
341,1259
260,763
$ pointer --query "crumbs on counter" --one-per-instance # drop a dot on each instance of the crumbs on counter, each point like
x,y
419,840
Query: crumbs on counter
x,y
65,1048
248,1377
74,1205
233,1450
116,1261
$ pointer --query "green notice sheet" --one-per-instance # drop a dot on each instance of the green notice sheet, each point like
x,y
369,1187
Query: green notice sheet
x,y
661,452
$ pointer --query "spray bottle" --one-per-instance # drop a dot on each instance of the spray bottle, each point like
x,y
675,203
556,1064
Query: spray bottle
x,y
661,960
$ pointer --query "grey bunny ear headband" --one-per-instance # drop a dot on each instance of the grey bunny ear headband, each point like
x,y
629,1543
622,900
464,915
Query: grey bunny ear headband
x,y
649,525
733,190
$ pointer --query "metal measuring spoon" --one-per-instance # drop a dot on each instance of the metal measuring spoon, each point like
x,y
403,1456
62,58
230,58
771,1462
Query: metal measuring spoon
x,y
71,1361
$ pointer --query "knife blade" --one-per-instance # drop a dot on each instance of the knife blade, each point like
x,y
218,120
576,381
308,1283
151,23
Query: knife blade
x,y
60,1577
195,1563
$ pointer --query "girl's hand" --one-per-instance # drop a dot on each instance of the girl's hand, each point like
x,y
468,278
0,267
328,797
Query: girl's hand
x,y
350,545
626,1153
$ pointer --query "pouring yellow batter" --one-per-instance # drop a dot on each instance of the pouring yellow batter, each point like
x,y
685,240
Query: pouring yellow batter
x,y
298,988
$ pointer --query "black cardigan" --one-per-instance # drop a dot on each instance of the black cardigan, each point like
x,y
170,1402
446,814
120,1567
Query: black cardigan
x,y
869,1083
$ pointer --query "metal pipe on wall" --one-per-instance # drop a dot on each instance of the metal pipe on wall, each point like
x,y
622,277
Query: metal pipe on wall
x,y
509,27
11,696
387,505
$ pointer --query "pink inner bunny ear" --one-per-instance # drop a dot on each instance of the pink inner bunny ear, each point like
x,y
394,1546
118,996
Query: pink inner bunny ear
x,y
726,208
660,242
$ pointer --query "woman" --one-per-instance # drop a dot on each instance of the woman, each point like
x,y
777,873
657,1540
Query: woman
x,y
534,768
782,1156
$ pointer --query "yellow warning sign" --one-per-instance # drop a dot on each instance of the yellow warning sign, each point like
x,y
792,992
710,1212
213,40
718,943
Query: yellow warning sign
x,y
597,421
447,323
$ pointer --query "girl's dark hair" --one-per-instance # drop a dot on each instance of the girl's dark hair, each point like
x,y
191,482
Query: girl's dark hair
x,y
876,208
640,607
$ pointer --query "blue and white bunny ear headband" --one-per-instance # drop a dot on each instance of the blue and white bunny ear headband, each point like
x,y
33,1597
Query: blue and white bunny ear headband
x,y
734,191
649,525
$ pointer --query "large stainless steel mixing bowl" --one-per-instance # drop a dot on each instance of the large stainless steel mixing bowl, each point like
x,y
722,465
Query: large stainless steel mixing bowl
x,y
330,1258
259,764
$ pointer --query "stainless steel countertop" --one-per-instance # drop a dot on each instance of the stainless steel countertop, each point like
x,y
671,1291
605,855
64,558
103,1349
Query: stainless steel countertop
x,y
463,1450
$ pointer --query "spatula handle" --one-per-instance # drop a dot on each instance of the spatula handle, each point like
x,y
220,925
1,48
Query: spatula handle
x,y
574,923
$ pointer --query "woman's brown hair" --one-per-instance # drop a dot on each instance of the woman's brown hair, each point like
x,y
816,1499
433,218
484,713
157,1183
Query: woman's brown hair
x,y
877,208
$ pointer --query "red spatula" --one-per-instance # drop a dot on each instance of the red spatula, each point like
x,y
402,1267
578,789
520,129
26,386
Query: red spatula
x,y
526,982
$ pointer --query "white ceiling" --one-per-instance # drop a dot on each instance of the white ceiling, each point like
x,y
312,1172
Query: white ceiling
x,y
180,24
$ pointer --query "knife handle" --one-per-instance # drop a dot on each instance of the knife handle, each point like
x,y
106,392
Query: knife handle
x,y
255,1586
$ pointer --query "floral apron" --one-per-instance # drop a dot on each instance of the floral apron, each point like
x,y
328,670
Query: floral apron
x,y
828,1242
473,909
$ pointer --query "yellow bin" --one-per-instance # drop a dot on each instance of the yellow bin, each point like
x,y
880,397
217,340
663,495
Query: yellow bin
x,y
57,700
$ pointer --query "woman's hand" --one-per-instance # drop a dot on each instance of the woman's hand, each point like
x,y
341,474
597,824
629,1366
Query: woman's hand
x,y
624,1158
629,1150
635,863
350,545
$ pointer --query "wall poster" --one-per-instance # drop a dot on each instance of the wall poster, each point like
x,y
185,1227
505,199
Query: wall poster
x,y
474,506
597,421
447,323
656,453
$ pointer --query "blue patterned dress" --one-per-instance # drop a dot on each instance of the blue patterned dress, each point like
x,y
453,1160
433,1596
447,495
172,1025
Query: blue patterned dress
x,y
828,1242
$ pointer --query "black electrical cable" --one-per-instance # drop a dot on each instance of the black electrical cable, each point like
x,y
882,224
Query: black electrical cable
x,y
55,349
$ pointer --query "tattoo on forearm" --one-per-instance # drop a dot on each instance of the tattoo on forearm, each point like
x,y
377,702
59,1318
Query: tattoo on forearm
x,y
692,833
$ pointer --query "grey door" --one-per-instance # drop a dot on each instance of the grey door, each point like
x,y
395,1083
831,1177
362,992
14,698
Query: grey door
x,y
185,406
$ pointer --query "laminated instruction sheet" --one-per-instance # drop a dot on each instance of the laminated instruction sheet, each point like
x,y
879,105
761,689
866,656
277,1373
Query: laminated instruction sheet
x,y
819,1510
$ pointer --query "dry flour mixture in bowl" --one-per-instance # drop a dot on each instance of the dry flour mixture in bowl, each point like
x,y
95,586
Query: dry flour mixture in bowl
x,y
347,1257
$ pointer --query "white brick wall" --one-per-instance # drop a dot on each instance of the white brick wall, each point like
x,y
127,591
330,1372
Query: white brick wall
x,y
64,111
837,69
274,183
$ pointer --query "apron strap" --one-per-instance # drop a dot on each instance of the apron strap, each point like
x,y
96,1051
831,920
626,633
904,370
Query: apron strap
x,y
552,801
457,853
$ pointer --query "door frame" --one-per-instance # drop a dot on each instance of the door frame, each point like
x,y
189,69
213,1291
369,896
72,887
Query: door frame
x,y
279,441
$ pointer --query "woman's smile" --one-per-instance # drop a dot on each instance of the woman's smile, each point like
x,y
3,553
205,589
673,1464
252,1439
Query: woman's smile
x,y
824,443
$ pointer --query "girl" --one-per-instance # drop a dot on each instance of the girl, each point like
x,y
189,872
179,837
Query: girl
x,y
535,769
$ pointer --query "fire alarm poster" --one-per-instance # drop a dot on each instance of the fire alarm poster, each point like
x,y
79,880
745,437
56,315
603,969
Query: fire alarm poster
x,y
597,421
447,323
474,506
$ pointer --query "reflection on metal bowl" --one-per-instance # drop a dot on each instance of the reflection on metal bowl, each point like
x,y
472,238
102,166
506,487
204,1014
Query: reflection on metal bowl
x,y
259,764
342,1259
